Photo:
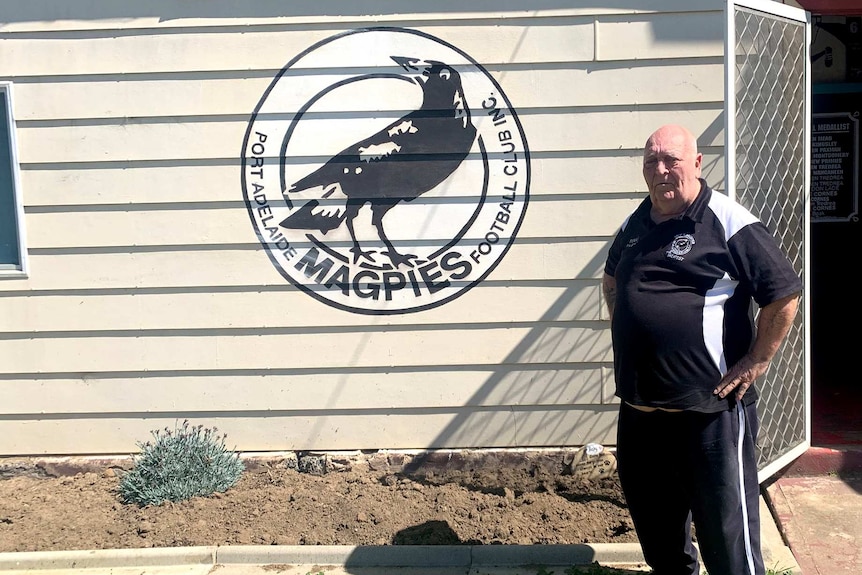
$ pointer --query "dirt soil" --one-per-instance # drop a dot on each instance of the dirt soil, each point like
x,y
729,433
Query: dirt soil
x,y
277,505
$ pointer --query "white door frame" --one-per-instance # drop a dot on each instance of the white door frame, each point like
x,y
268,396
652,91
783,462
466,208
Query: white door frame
x,y
771,7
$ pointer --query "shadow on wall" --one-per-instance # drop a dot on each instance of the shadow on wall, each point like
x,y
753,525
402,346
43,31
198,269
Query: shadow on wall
x,y
545,344
548,345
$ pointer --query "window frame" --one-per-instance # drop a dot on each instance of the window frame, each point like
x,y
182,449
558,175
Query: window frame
x,y
21,269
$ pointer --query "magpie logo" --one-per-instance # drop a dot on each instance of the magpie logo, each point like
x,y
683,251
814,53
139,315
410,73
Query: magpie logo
x,y
680,246
385,172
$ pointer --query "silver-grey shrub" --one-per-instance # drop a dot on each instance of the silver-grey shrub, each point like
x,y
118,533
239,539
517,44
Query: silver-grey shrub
x,y
179,464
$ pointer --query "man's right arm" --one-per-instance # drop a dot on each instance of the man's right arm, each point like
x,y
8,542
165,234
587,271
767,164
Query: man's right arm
x,y
609,288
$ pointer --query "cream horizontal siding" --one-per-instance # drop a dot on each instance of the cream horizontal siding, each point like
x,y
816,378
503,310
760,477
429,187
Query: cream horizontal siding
x,y
551,218
258,431
148,142
523,40
58,187
527,40
297,390
123,268
166,14
321,348
699,34
279,307
227,94
150,300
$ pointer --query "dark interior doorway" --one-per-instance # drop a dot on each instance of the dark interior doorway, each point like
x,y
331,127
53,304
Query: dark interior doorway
x,y
836,232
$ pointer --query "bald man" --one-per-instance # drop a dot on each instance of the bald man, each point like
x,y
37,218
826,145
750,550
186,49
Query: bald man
x,y
679,281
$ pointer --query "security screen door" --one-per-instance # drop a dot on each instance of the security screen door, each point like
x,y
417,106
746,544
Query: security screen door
x,y
767,111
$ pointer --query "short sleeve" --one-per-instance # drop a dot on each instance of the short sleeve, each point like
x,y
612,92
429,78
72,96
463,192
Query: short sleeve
x,y
763,265
614,254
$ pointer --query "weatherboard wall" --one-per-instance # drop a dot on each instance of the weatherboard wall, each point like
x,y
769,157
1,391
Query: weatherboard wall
x,y
150,299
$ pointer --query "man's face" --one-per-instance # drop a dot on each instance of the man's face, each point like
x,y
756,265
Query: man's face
x,y
671,169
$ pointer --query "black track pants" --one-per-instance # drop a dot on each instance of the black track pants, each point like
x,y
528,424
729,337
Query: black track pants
x,y
679,468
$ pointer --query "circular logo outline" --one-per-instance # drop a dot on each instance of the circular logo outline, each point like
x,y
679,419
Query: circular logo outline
x,y
682,244
252,205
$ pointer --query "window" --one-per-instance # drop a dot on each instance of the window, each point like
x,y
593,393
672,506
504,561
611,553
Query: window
x,y
13,256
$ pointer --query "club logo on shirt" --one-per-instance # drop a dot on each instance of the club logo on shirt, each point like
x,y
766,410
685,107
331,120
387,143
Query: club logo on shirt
x,y
680,246
632,242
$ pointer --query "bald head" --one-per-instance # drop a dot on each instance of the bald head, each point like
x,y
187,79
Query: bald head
x,y
674,133
671,168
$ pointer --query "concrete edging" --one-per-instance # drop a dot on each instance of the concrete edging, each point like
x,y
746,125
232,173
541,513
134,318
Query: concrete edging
x,y
107,558
440,556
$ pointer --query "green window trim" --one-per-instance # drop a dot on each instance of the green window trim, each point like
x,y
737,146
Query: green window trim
x,y
13,253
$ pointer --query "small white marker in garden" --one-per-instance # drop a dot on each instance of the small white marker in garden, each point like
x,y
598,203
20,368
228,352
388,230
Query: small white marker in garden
x,y
593,462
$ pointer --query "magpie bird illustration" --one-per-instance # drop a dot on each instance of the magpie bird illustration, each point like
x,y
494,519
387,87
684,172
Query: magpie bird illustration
x,y
404,160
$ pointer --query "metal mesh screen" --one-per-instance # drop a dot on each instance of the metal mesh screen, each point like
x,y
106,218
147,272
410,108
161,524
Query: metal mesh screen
x,y
770,181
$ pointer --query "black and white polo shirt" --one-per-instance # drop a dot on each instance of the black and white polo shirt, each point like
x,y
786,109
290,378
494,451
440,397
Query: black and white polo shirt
x,y
683,311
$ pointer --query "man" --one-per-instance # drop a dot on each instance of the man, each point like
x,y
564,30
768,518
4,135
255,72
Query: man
x,y
679,280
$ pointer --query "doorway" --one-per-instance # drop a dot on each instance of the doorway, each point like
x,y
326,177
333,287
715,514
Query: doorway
x,y
836,232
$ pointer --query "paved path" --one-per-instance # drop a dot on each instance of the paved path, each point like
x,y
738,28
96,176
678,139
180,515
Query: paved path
x,y
821,517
